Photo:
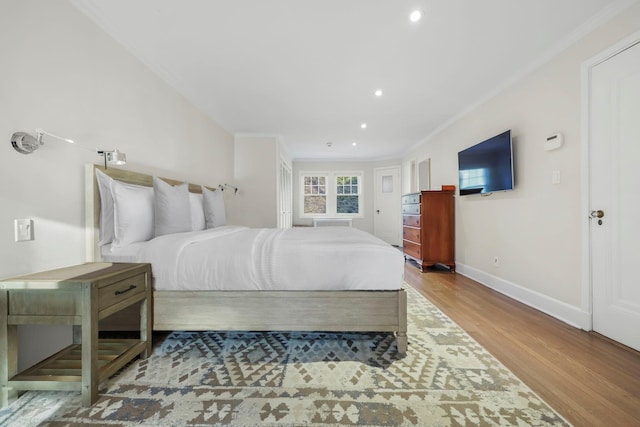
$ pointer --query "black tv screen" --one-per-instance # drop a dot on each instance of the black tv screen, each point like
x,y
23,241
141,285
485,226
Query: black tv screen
x,y
486,167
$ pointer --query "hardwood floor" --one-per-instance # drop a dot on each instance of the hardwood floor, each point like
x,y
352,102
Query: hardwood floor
x,y
588,379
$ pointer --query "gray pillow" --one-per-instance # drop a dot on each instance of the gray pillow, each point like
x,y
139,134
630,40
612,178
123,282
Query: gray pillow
x,y
107,233
171,208
198,222
213,208
132,213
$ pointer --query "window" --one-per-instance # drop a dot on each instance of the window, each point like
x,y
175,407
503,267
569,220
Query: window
x,y
335,194
347,195
315,194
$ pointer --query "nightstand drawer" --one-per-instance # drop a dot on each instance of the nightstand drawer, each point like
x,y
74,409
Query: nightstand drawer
x,y
58,303
411,221
121,291
412,234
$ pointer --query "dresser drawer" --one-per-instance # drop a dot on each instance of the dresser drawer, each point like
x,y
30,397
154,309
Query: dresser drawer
x,y
412,234
410,198
411,209
412,249
411,221
120,291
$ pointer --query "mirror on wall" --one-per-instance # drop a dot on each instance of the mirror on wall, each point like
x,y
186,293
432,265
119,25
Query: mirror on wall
x,y
424,175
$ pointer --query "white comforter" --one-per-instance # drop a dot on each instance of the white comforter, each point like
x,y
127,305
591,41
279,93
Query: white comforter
x,y
304,258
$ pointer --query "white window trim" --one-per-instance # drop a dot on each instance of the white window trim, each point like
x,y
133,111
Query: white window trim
x,y
331,194
334,191
301,176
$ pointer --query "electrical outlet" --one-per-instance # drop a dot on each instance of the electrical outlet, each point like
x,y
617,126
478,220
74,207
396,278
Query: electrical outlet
x,y
23,229
496,261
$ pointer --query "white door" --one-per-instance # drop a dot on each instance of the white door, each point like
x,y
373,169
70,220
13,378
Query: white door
x,y
386,204
614,153
285,196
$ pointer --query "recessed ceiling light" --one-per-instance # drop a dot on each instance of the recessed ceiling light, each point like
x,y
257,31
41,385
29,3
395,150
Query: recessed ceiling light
x,y
378,93
416,15
363,126
354,143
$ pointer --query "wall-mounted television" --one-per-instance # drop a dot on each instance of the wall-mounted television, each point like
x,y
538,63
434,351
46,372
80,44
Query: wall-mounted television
x,y
486,167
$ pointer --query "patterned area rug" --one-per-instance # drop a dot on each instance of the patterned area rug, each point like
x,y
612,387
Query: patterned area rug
x,y
304,379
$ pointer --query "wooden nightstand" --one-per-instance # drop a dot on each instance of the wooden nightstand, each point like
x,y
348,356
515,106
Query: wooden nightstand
x,y
80,296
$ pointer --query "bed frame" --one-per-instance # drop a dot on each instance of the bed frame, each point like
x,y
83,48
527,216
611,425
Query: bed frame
x,y
338,311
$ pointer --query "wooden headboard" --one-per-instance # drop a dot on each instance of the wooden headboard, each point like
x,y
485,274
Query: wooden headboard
x,y
92,201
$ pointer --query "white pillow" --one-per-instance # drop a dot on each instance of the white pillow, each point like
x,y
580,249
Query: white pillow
x,y
213,208
133,213
106,208
197,212
171,208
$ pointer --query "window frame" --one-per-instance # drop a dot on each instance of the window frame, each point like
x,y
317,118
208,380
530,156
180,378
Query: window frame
x,y
303,195
332,194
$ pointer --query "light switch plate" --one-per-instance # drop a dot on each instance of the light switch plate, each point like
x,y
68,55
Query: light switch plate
x,y
23,229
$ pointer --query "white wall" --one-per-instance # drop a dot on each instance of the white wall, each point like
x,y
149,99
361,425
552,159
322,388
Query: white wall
x,y
60,72
535,229
257,158
365,223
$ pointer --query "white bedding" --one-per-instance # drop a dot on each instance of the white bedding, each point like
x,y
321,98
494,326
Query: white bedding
x,y
129,253
240,258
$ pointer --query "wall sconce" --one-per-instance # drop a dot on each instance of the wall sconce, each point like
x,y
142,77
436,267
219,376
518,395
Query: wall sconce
x,y
113,157
223,187
25,143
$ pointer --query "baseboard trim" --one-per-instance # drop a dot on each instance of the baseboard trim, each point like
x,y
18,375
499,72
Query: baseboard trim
x,y
562,311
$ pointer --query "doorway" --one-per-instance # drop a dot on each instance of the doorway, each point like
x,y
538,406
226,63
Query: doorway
x,y
386,204
613,205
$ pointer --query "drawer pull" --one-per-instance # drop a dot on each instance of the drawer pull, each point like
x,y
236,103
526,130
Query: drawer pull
x,y
130,288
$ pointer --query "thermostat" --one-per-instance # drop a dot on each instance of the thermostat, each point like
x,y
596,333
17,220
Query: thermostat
x,y
553,142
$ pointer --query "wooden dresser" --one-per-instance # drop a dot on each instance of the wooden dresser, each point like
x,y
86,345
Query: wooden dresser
x,y
428,228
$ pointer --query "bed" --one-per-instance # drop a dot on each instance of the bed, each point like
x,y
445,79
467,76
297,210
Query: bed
x,y
367,297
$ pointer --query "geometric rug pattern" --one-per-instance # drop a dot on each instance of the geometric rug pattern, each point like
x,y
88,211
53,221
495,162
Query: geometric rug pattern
x,y
304,379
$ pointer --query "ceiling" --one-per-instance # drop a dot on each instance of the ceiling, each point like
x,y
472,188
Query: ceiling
x,y
306,70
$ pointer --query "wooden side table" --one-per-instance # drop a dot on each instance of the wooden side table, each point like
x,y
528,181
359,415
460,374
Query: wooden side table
x,y
80,296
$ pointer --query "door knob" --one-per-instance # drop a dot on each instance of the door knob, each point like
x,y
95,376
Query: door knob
x,y
597,214
378,211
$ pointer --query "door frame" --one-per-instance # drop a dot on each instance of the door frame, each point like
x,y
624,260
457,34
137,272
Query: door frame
x,y
586,69
285,194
